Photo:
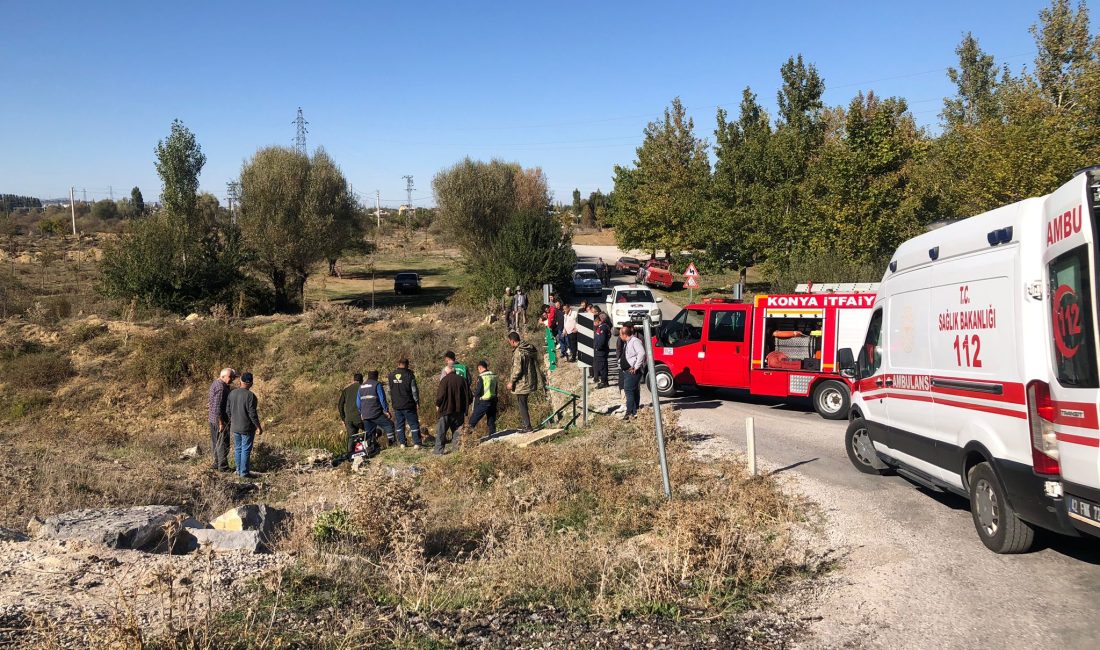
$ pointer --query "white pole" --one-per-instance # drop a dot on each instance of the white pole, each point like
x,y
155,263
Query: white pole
x,y
378,209
72,206
750,443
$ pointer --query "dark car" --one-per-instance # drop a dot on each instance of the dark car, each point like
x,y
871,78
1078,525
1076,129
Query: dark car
x,y
627,265
406,283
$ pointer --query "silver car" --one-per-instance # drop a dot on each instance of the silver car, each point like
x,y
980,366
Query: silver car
x,y
586,282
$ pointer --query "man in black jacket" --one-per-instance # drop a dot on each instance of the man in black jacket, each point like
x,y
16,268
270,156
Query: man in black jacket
x,y
601,347
244,422
349,409
374,411
405,396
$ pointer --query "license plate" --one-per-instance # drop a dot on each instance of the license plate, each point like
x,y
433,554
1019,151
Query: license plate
x,y
1083,510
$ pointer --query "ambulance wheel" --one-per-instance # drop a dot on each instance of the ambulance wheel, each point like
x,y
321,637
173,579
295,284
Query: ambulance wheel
x,y
861,451
831,400
666,384
995,520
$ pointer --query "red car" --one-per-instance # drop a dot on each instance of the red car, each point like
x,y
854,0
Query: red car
x,y
655,273
627,265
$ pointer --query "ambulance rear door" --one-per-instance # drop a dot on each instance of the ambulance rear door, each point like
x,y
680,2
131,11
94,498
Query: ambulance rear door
x,y
1070,217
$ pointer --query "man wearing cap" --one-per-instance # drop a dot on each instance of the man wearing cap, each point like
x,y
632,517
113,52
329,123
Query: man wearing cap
x,y
405,396
349,410
485,398
375,412
244,422
601,348
219,419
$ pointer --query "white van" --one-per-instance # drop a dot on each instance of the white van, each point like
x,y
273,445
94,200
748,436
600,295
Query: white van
x,y
978,374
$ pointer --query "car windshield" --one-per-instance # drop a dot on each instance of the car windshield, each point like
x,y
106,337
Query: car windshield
x,y
634,295
405,276
585,275
628,260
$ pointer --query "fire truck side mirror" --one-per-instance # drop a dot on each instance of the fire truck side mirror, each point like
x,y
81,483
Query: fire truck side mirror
x,y
846,361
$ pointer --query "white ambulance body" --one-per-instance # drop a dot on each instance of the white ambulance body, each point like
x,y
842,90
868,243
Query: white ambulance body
x,y
978,374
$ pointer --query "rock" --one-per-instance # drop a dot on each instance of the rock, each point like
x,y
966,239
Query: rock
x,y
253,517
143,528
34,526
7,535
192,317
357,463
472,342
318,457
189,453
222,541
397,472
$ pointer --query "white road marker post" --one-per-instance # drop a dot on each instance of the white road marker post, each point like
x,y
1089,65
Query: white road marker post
x,y
750,445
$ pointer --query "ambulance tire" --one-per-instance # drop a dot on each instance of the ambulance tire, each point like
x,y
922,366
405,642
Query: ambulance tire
x,y
860,449
666,383
831,400
994,518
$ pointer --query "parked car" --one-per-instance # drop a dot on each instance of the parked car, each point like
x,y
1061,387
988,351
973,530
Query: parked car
x,y
627,265
586,282
655,273
406,282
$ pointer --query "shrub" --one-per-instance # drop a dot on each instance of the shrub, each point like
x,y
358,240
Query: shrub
x,y
44,370
182,353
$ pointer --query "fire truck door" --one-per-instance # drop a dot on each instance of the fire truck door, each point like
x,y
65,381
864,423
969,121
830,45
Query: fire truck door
x,y
727,347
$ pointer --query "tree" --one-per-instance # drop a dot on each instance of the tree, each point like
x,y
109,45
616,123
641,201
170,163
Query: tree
x,y
294,211
976,80
179,161
668,186
576,201
105,210
1065,52
138,201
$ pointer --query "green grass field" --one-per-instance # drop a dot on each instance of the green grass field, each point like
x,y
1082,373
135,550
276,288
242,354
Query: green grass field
x,y
366,280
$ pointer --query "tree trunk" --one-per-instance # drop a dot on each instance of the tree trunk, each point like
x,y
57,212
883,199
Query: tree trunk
x,y
282,301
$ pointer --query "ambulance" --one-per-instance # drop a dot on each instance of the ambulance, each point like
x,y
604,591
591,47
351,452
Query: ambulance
x,y
978,372
778,345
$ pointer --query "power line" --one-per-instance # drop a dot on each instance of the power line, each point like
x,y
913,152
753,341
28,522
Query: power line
x,y
409,189
300,136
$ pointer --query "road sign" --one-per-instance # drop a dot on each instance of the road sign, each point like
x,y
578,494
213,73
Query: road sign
x,y
586,332
692,282
691,271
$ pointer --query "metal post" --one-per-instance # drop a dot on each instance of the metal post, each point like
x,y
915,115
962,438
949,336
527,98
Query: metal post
x,y
584,398
750,445
656,406
72,207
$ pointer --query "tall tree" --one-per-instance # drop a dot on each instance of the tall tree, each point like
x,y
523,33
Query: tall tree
x,y
137,200
576,201
669,185
291,207
975,79
179,162
1065,52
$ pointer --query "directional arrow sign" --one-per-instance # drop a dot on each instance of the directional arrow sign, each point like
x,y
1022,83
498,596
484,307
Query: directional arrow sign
x,y
691,271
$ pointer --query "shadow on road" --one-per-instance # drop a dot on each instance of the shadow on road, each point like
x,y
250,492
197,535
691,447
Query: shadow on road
x,y
792,466
690,405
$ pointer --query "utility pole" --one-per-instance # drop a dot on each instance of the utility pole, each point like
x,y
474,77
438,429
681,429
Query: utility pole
x,y
111,192
233,196
300,135
72,206
85,195
409,191
378,211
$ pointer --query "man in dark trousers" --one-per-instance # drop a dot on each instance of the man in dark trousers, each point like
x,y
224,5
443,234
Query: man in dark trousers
x,y
375,412
244,422
601,347
405,395
485,397
219,419
349,409
526,376
632,364
452,398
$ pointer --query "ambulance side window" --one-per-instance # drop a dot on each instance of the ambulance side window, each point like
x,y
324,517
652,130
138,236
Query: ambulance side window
x,y
727,326
1071,319
870,356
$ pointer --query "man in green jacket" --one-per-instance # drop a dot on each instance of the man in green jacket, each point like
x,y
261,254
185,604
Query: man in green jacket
x,y
526,375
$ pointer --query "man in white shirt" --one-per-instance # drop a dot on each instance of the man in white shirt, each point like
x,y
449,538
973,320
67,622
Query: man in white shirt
x,y
632,363
569,334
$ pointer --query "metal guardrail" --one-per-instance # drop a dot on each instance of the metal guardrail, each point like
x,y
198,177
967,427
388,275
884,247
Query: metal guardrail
x,y
558,415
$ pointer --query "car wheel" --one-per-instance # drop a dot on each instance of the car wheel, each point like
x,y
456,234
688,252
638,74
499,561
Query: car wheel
x,y
831,400
666,383
998,526
861,450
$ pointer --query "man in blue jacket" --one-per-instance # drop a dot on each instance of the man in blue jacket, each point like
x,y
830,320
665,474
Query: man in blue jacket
x,y
374,410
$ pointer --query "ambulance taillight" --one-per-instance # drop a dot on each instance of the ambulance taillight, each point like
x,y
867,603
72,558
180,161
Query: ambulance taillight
x,y
1044,443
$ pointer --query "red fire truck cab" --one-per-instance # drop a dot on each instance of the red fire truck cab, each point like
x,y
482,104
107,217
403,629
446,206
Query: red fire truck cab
x,y
779,345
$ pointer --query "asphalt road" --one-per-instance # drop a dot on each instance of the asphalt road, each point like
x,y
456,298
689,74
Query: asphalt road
x,y
912,571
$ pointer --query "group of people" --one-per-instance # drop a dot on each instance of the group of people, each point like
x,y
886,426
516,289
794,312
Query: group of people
x,y
233,412
364,407
513,309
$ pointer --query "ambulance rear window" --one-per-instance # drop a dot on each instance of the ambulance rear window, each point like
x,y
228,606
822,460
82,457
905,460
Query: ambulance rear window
x,y
1071,319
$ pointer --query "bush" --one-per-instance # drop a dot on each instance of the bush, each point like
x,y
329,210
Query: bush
x,y
182,353
44,369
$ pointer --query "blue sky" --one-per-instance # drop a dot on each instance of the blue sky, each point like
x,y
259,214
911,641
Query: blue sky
x,y
395,88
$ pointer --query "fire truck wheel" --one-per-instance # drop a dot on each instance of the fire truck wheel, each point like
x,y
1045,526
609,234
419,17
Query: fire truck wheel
x,y
831,400
995,520
861,451
666,384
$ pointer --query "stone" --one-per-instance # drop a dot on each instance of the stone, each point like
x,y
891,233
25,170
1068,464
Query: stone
x,y
34,526
192,317
527,439
221,541
8,535
472,342
252,517
316,457
189,453
144,528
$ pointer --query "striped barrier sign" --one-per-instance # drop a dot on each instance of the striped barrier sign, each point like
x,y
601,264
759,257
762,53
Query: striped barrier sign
x,y
586,334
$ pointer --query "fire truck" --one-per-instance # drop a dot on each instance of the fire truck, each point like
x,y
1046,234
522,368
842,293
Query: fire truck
x,y
779,345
